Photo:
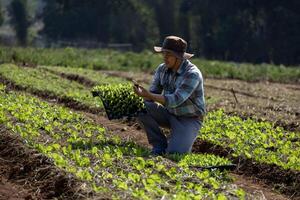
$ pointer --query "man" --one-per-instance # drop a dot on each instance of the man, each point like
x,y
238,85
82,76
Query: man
x,y
175,100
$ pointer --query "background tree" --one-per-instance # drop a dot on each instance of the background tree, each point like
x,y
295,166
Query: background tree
x,y
1,14
252,31
121,21
19,20
166,16
243,31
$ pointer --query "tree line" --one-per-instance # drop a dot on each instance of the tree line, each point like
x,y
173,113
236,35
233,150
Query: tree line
x,y
243,31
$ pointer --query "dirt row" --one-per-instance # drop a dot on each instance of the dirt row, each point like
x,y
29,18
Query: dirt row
x,y
27,174
73,77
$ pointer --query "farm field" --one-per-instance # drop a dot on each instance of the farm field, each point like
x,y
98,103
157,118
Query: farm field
x,y
254,125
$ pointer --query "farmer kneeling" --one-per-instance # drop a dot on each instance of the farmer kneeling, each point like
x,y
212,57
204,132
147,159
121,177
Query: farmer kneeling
x,y
175,100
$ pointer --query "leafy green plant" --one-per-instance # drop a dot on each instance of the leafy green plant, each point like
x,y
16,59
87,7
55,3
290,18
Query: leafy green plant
x,y
260,141
104,162
119,100
36,79
97,77
2,87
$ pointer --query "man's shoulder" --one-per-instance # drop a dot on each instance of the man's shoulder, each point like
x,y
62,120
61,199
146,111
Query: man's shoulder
x,y
161,67
191,65
193,69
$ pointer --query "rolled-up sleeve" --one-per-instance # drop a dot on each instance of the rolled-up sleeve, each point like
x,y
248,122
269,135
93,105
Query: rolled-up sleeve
x,y
156,86
184,91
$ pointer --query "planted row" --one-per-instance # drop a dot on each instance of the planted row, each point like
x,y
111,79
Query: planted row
x,y
108,164
260,141
37,79
257,140
129,61
92,75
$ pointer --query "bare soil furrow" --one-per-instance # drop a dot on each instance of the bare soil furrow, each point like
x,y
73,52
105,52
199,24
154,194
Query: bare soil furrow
x,y
32,175
73,77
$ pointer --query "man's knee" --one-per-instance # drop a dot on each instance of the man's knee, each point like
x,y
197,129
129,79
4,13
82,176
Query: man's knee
x,y
152,109
150,106
144,117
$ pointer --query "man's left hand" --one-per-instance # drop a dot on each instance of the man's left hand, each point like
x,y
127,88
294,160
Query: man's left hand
x,y
142,92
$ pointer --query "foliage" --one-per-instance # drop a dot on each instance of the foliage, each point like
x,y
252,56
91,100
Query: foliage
x,y
20,22
119,100
146,61
252,31
199,160
96,77
260,141
100,20
1,15
37,79
102,160
2,87
244,31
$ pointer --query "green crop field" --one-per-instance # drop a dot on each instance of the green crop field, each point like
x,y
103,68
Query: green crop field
x,y
106,163
46,99
145,61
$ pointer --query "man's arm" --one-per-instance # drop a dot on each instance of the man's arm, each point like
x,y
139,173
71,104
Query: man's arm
x,y
142,92
155,86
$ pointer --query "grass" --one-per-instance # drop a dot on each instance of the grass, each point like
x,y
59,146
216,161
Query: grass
x,y
144,61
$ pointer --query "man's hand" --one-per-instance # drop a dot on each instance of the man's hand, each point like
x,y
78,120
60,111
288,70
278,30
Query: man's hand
x,y
142,92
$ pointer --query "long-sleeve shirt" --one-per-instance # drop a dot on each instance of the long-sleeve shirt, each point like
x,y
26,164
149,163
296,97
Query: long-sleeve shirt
x,y
183,90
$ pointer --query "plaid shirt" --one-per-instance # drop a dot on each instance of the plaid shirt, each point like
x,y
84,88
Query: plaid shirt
x,y
183,90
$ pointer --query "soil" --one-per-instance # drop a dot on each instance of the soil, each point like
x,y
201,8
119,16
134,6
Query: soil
x,y
73,77
11,191
27,174
257,188
273,102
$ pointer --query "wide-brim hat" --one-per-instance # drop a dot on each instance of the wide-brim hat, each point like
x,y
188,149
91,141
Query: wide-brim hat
x,y
175,45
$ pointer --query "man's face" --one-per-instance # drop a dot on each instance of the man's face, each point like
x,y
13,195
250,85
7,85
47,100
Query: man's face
x,y
169,59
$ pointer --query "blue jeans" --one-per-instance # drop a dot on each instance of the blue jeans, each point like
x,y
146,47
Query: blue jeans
x,y
184,130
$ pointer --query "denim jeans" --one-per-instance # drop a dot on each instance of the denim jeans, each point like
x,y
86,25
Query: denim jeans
x,y
184,130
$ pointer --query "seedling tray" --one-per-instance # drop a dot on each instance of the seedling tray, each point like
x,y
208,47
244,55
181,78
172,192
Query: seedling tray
x,y
119,100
